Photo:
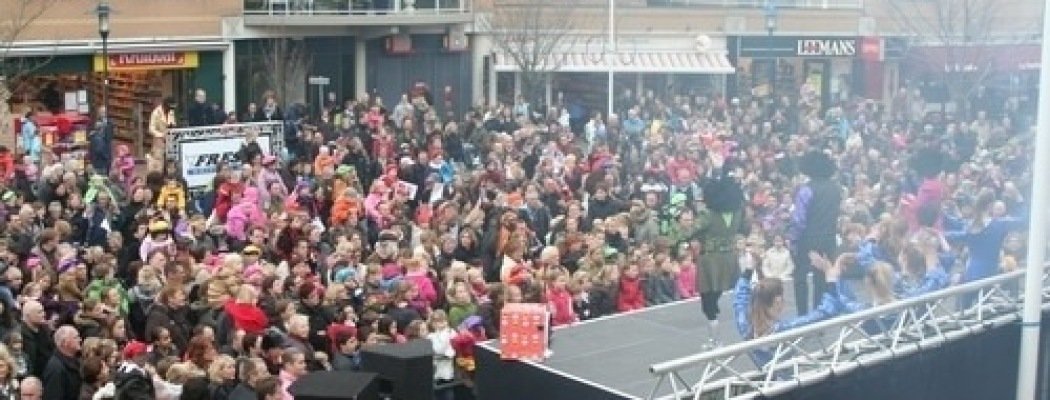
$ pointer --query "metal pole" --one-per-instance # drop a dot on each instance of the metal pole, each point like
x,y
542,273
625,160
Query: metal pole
x,y
1031,317
105,72
611,55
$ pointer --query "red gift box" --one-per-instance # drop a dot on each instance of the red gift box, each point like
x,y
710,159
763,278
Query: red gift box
x,y
524,330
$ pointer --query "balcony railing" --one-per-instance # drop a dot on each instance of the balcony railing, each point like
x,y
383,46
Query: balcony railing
x,y
399,8
784,4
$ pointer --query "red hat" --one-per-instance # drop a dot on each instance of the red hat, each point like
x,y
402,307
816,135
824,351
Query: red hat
x,y
134,349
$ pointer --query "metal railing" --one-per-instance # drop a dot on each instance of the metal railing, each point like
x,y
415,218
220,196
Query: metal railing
x,y
783,4
355,7
803,356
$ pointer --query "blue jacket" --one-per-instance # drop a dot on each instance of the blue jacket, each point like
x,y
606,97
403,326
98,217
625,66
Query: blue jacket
x,y
935,279
830,306
985,245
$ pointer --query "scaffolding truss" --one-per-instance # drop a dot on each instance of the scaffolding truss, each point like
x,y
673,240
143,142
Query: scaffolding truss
x,y
837,346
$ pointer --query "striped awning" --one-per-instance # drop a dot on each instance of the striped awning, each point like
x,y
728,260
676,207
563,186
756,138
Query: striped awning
x,y
683,62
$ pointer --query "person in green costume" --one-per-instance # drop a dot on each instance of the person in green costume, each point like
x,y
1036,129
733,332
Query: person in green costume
x,y
719,224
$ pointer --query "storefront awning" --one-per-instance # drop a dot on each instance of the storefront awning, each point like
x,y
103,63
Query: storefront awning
x,y
683,62
993,58
83,47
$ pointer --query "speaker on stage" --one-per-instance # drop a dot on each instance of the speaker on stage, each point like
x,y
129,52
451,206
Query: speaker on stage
x,y
336,385
405,371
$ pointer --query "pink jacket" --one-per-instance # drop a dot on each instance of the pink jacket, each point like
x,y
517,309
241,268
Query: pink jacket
x,y
244,214
422,282
687,281
266,178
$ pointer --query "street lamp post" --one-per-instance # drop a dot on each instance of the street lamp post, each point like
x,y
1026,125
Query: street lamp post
x,y
771,26
610,56
103,11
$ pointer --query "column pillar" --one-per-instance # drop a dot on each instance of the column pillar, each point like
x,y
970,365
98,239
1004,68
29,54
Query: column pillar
x,y
639,85
361,67
493,79
548,88
229,77
480,46
517,85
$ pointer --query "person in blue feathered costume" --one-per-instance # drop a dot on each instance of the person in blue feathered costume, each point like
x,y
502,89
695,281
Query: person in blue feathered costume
x,y
985,234
759,309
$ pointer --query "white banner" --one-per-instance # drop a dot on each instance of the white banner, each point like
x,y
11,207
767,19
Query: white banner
x,y
200,158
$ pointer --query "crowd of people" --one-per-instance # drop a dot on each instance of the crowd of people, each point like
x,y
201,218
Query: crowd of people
x,y
382,225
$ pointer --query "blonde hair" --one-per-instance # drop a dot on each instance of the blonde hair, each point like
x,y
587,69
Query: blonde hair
x,y
215,369
148,276
437,315
233,261
7,358
181,372
880,281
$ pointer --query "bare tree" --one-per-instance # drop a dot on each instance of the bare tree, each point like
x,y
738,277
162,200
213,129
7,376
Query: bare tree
x,y
15,17
286,63
534,34
965,30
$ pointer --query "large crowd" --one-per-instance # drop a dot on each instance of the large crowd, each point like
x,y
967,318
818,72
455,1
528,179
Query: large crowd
x,y
378,225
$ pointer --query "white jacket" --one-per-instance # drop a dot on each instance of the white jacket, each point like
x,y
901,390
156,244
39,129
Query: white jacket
x,y
777,263
443,353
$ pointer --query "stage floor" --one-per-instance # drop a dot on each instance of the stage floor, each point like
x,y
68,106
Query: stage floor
x,y
615,352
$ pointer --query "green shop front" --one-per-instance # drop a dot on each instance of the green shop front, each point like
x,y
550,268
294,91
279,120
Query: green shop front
x,y
138,81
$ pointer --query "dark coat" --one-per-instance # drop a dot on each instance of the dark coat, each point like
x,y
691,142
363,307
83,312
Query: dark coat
x,y
175,321
61,378
38,348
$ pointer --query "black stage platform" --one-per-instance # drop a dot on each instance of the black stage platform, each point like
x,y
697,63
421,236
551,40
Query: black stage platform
x,y
609,358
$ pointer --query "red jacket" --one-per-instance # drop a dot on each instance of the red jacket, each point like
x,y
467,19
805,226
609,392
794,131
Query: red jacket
x,y
224,198
631,296
561,307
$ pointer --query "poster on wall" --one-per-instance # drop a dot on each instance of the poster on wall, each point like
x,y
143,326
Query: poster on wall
x,y
200,158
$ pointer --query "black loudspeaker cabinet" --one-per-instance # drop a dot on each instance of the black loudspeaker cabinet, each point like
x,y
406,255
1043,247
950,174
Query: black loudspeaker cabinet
x,y
406,370
336,385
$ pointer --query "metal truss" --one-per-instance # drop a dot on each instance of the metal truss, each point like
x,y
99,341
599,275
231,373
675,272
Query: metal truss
x,y
837,346
273,130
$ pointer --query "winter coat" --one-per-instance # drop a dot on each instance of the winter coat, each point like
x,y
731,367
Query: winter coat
x,y
175,321
61,377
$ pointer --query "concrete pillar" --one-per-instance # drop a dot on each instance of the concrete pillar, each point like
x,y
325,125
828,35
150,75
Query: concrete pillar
x,y
639,84
517,85
548,87
493,79
229,77
480,46
361,68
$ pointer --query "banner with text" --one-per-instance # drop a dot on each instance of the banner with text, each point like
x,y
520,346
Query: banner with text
x,y
199,159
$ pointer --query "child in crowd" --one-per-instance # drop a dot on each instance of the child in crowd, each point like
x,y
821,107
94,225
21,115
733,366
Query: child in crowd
x,y
687,275
630,296
559,299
